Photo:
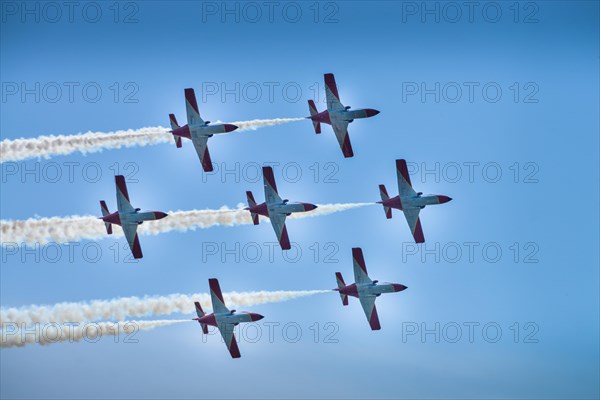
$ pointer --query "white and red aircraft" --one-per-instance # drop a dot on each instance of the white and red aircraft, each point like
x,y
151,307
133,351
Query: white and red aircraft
x,y
128,217
223,318
275,208
364,288
408,201
197,130
337,115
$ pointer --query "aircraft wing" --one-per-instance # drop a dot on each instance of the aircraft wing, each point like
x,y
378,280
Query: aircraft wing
x,y
229,338
412,217
340,128
368,304
130,231
271,195
331,94
200,144
404,185
191,108
217,297
123,204
360,268
278,223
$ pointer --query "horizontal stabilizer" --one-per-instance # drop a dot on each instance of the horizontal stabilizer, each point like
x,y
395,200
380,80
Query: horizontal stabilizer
x,y
252,203
312,108
384,196
201,314
175,125
105,212
341,284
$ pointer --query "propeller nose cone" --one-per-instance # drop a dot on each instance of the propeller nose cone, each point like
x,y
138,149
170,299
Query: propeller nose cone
x,y
372,112
309,207
444,199
230,127
398,287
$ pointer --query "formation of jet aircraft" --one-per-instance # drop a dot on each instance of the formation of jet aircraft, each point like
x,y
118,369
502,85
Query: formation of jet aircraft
x,y
197,130
409,201
127,217
337,115
365,289
223,318
275,208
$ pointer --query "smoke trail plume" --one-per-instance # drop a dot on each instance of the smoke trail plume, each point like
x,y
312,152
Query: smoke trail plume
x,y
91,332
75,228
125,307
90,142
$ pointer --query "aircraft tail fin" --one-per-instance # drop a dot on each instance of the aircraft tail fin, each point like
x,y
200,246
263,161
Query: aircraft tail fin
x,y
252,203
384,196
175,125
105,212
341,284
201,314
313,111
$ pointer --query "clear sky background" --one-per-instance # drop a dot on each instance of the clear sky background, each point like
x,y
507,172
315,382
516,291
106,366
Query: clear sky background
x,y
540,134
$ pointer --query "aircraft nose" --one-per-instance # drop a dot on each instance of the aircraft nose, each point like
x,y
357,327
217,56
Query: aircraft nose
x,y
160,214
230,127
444,199
309,207
398,287
372,112
256,317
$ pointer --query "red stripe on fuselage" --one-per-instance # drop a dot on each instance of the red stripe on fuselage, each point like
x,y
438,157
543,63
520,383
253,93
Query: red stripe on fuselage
x,y
322,117
113,218
183,131
260,209
350,290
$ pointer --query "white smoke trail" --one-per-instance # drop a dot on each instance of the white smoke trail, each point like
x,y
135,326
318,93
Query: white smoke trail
x,y
91,332
90,142
125,307
75,228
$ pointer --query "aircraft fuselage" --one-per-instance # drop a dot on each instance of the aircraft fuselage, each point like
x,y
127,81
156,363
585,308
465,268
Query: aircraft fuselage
x,y
343,115
418,201
374,289
285,207
232,317
134,217
189,131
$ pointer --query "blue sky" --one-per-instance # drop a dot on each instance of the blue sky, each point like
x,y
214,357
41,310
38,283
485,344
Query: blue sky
x,y
542,212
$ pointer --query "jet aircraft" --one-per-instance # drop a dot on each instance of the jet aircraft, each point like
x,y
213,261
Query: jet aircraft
x,y
364,288
275,208
337,115
408,201
223,318
128,217
197,130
